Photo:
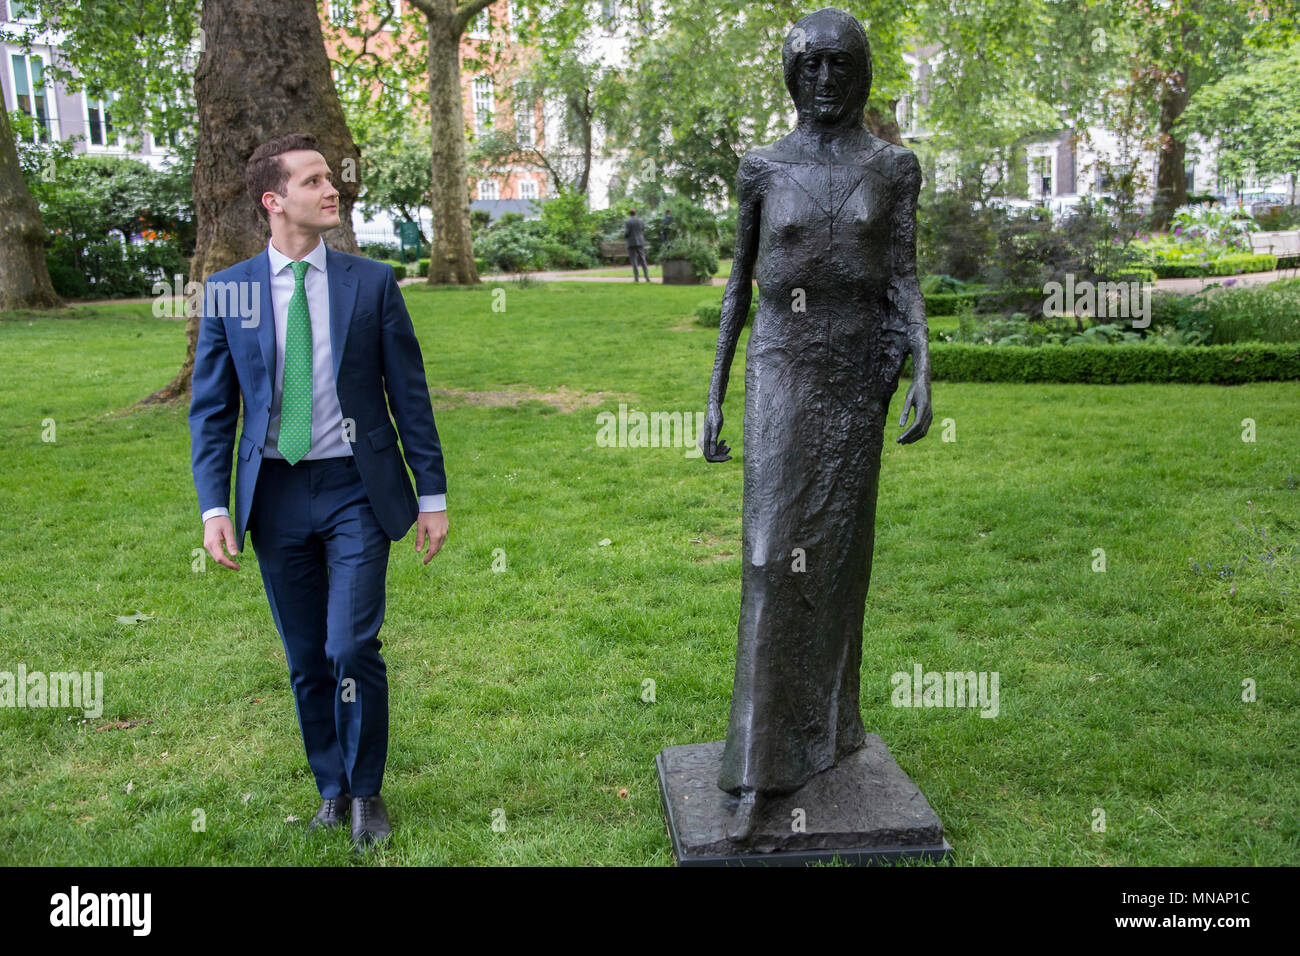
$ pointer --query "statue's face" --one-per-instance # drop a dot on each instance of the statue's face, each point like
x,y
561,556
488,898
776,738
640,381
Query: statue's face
x,y
827,78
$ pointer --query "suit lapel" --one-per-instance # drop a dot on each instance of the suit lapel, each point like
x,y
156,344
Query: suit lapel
x,y
343,299
259,274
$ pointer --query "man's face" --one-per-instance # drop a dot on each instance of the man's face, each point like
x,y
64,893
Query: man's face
x,y
310,201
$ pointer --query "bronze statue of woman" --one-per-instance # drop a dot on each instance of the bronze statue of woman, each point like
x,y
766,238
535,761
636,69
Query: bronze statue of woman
x,y
827,226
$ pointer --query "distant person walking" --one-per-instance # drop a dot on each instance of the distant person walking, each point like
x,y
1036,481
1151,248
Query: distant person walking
x,y
634,233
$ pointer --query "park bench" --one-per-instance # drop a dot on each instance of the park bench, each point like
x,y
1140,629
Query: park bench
x,y
613,250
1284,245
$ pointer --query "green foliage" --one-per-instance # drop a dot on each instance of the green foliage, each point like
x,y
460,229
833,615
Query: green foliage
x,y
1229,265
700,254
1114,364
939,284
562,240
704,84
1019,329
90,204
142,54
569,222
399,269
397,175
1268,313
1214,226
954,237
979,300
1282,219
709,314
1253,115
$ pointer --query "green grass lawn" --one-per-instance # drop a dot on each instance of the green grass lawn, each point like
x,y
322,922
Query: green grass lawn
x,y
518,695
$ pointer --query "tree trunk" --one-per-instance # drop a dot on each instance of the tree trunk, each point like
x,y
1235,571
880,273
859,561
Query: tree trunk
x,y
885,126
263,73
451,256
584,113
24,278
1171,175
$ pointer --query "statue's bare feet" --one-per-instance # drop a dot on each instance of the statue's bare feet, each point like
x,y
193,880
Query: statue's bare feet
x,y
742,823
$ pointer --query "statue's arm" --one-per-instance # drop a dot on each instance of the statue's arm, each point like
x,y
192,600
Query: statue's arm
x,y
905,298
735,303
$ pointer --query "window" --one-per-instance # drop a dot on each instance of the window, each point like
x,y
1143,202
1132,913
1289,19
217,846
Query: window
x,y
479,27
165,122
489,189
19,10
31,96
484,104
1040,176
99,121
340,12
525,121
527,189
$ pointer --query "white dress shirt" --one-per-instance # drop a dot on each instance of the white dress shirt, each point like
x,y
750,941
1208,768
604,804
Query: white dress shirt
x,y
327,436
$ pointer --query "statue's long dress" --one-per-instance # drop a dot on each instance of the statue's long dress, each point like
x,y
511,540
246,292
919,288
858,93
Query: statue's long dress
x,y
817,387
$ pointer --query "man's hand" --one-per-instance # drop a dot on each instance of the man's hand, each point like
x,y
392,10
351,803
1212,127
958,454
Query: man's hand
x,y
434,525
218,529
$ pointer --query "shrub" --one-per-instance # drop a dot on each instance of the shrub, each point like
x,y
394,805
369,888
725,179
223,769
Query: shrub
x,y
940,284
951,303
1114,364
710,313
111,269
399,269
1228,265
700,253
1269,313
1232,265
954,237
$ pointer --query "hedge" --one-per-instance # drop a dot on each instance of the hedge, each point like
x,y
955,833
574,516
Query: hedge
x,y
950,303
1230,265
398,268
1114,364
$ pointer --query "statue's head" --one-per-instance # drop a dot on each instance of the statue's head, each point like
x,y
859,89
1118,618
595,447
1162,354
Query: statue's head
x,y
827,65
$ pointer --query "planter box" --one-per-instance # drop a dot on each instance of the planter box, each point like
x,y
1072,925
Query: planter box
x,y
678,272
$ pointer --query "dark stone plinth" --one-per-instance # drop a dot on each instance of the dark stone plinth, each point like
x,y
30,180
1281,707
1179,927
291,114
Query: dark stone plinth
x,y
865,810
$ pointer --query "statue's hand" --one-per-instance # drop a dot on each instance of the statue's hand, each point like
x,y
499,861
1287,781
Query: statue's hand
x,y
918,397
714,448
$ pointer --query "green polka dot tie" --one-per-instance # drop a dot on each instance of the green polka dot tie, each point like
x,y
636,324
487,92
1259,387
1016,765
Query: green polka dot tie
x,y
295,402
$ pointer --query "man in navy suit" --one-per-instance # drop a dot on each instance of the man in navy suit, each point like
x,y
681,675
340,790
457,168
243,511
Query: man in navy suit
x,y
314,340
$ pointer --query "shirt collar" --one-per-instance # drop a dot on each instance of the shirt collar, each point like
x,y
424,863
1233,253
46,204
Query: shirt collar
x,y
279,261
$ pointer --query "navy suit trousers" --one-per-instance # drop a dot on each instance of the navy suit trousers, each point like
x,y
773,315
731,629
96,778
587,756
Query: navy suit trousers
x,y
324,561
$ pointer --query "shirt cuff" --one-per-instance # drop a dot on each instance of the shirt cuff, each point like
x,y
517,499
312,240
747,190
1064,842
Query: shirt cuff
x,y
213,512
433,503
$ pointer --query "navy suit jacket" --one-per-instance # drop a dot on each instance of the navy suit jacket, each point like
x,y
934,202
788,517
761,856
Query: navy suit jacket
x,y
375,354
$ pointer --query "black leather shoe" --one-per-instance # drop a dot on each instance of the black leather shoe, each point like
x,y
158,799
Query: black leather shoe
x,y
369,822
332,812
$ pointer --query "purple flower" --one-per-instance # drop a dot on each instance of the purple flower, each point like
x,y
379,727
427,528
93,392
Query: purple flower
x,y
1228,282
1178,230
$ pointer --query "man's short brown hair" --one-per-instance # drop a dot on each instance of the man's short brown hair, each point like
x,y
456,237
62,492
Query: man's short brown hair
x,y
265,171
